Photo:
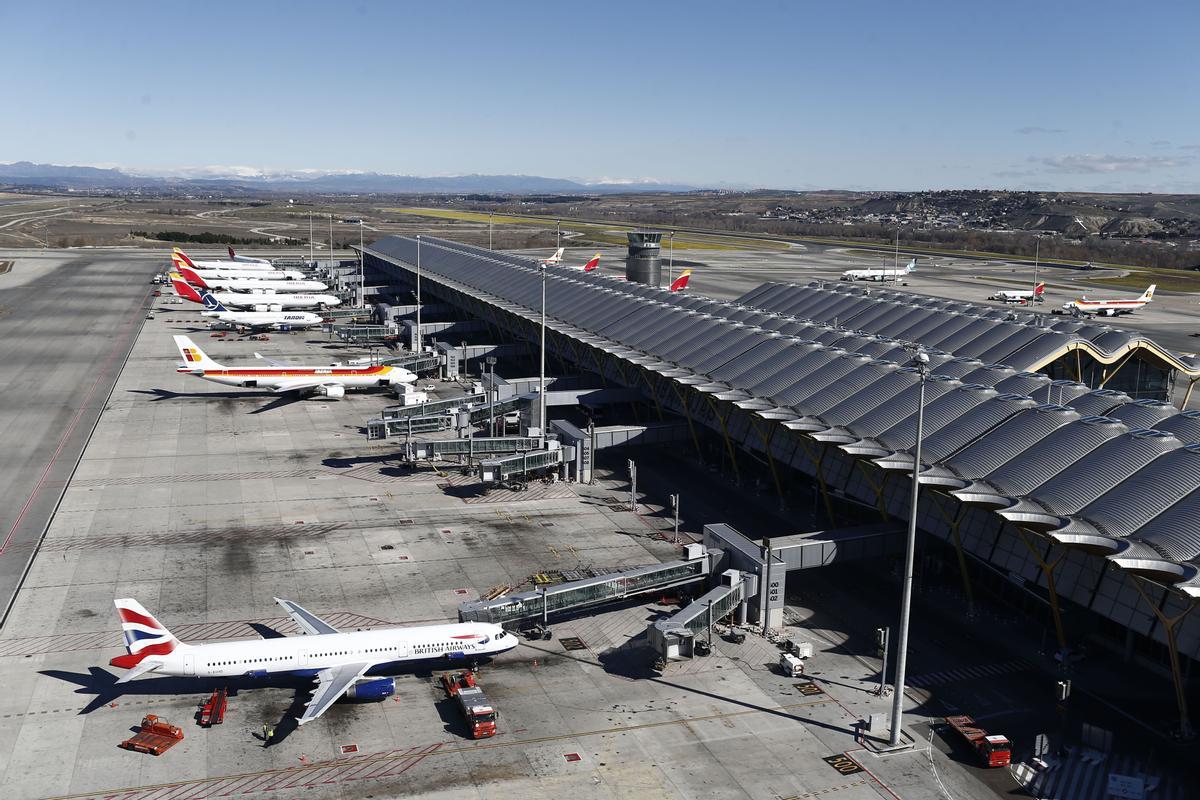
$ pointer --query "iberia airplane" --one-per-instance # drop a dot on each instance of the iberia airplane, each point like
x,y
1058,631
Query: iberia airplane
x,y
262,300
680,283
591,265
248,259
232,263
1110,308
331,381
248,284
1035,295
342,663
229,269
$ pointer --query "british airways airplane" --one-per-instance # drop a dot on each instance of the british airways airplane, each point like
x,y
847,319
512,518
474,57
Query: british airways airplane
x,y
342,663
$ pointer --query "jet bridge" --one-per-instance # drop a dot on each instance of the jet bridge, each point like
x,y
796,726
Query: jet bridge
x,y
438,415
440,449
675,637
515,608
499,470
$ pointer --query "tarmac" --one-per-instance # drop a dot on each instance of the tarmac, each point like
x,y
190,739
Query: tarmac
x,y
205,503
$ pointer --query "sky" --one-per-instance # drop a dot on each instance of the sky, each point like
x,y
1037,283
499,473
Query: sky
x,y
1087,96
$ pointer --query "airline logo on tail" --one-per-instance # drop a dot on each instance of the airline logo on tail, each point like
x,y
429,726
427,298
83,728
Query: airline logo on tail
x,y
593,264
211,303
680,283
192,277
232,255
1039,290
144,635
1148,295
183,289
557,257
180,258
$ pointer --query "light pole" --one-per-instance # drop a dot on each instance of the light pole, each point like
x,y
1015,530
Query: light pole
x,y
675,508
491,362
896,267
362,281
671,262
312,259
558,236
542,365
491,214
632,486
921,361
418,293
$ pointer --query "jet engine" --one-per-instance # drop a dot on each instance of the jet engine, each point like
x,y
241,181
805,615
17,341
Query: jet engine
x,y
373,690
334,391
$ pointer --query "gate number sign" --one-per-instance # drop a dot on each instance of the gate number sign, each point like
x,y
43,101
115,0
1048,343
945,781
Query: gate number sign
x,y
843,764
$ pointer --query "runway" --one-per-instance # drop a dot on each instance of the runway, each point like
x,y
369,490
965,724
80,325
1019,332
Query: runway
x,y
67,323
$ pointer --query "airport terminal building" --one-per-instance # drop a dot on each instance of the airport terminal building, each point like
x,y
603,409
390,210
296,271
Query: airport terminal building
x,y
1056,463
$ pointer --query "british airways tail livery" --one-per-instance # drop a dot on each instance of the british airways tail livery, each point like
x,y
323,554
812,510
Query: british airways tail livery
x,y
343,664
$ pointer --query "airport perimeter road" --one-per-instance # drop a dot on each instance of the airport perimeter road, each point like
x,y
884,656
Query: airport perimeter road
x,y
67,322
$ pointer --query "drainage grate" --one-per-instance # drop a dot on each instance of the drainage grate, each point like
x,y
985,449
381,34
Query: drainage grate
x,y
572,643
618,507
387,547
547,524
404,522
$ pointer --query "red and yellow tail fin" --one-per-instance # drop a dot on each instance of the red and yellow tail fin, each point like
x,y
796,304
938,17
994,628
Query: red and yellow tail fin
x,y
680,283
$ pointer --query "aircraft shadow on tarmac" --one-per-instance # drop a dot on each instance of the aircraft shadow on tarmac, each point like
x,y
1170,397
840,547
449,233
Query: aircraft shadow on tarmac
x,y
387,464
279,401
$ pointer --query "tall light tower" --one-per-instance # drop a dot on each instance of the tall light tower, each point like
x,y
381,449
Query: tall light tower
x,y
920,360
542,364
362,282
419,343
671,262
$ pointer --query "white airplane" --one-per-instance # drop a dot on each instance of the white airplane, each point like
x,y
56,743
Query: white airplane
x,y
331,381
248,284
1110,308
342,663
233,263
248,259
256,301
590,266
556,258
227,269
1035,295
879,274
259,320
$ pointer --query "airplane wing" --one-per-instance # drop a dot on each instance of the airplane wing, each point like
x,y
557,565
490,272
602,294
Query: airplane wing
x,y
309,622
272,361
300,384
332,683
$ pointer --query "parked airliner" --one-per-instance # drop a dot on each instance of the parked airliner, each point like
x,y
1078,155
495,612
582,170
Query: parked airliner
x,y
340,662
1110,308
330,381
248,284
880,274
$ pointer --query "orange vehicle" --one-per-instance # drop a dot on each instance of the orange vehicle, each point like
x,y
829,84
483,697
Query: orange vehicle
x,y
994,749
212,710
474,705
155,737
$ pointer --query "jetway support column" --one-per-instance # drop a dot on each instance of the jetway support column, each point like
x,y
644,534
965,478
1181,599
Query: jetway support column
x,y
1048,568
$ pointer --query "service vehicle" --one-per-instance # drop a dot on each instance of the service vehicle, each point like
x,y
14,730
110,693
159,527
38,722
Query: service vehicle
x,y
472,703
154,737
994,750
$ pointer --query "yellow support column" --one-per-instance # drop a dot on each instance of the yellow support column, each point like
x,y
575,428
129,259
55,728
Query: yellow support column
x,y
1048,568
1169,623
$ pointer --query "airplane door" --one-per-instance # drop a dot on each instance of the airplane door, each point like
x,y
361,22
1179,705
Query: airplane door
x,y
401,651
189,664
302,658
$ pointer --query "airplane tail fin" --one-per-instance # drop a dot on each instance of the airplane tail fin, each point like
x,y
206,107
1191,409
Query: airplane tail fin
x,y
232,255
193,356
184,289
193,277
144,636
593,264
1148,295
1040,289
557,257
680,283
178,256
211,303
912,266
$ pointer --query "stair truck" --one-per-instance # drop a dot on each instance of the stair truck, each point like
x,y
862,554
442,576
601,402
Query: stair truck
x,y
154,736
472,703
995,750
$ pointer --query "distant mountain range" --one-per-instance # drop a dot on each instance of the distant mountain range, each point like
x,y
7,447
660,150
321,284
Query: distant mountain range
x,y
240,180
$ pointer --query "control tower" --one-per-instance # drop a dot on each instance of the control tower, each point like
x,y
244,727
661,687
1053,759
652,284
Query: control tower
x,y
644,262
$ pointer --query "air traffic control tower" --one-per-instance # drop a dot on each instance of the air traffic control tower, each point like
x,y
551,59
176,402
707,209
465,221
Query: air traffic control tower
x,y
644,262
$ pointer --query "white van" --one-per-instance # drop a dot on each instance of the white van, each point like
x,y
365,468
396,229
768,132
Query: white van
x,y
791,666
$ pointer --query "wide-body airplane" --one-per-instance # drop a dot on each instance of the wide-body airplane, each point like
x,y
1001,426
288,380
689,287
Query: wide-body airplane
x,y
880,274
680,283
1035,295
342,663
330,381
256,264
255,321
229,269
247,259
248,284
256,301
1110,308
591,266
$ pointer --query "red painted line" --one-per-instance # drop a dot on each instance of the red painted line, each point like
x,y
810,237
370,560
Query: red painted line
x,y
63,441
874,777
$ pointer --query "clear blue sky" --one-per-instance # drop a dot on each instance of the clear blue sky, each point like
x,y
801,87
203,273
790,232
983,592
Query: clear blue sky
x,y
890,95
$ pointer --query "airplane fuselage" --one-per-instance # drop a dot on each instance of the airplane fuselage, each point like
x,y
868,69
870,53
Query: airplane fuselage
x,y
288,300
266,319
272,377
307,654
